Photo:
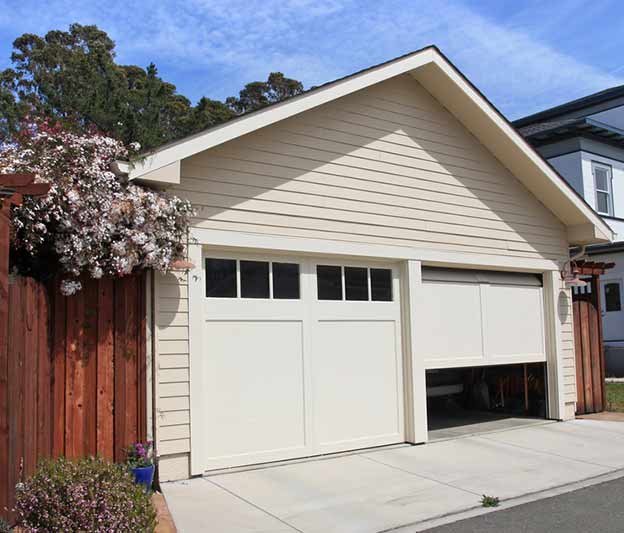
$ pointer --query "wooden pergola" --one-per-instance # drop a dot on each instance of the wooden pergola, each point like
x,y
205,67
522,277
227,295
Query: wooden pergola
x,y
13,188
591,268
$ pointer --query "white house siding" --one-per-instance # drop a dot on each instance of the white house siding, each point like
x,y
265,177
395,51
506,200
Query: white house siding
x,y
386,165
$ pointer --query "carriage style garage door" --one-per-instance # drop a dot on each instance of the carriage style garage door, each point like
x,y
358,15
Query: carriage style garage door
x,y
301,357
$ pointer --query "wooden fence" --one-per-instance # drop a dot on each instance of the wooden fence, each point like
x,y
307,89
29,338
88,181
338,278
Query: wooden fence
x,y
590,370
72,377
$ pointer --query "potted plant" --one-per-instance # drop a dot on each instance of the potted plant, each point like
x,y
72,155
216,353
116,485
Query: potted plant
x,y
140,460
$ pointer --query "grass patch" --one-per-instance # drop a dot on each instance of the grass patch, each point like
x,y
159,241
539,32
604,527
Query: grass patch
x,y
615,397
490,501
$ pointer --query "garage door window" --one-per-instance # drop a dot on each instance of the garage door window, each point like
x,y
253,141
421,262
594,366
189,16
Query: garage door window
x,y
356,283
286,281
329,282
221,278
254,279
360,283
381,284
230,278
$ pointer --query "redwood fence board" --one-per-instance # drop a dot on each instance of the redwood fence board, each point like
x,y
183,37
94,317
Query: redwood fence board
x,y
72,381
588,347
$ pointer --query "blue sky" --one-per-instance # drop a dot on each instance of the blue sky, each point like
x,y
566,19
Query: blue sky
x,y
524,55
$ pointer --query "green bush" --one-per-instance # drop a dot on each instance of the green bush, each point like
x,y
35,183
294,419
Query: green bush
x,y
87,495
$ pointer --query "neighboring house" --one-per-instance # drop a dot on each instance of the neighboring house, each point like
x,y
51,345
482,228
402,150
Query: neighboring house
x,y
584,141
347,241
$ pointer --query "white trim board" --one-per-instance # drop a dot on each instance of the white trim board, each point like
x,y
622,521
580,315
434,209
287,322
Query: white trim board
x,y
255,241
438,76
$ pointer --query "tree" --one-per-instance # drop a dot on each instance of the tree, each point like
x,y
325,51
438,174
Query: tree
x,y
259,94
72,77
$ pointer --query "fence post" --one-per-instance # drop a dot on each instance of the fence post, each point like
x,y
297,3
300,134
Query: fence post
x,y
4,361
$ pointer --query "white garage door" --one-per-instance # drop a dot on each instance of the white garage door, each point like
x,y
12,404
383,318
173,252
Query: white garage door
x,y
301,357
472,318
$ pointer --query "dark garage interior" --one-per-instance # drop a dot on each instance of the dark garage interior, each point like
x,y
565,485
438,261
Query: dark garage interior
x,y
465,401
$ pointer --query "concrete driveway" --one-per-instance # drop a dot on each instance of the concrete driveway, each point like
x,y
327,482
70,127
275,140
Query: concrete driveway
x,y
383,489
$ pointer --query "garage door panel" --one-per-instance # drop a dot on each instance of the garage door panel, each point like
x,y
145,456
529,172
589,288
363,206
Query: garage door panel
x,y
356,366
472,318
254,390
450,319
514,324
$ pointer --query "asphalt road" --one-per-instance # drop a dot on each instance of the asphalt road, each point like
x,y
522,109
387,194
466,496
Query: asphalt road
x,y
598,509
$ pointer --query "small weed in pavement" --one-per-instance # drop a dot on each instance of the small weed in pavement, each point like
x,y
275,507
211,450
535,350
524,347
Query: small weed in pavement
x,y
489,501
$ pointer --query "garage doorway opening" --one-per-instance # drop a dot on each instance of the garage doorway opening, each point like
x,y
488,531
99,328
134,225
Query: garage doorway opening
x,y
467,401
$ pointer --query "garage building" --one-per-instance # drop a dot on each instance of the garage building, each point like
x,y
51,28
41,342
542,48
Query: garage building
x,y
349,244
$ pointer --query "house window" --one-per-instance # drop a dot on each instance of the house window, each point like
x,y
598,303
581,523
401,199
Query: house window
x,y
602,182
232,278
360,283
612,297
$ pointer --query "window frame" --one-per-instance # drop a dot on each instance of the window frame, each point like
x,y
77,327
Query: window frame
x,y
366,265
604,284
608,192
238,258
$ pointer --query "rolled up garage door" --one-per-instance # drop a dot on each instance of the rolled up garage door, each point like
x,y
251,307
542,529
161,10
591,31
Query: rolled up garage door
x,y
474,318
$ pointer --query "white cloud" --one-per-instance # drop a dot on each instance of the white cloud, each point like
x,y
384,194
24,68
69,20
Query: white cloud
x,y
214,46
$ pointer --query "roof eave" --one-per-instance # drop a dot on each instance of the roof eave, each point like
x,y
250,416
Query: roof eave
x,y
438,75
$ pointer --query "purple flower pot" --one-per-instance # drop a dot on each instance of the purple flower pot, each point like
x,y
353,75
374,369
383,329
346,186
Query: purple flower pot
x,y
144,475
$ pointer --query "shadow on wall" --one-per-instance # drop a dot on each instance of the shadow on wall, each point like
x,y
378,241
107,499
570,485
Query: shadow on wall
x,y
171,297
365,169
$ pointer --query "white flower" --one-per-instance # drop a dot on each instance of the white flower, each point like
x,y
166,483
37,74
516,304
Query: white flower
x,y
91,220
69,287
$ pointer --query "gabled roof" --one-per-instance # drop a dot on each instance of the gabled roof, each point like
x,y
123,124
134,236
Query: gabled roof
x,y
453,90
574,105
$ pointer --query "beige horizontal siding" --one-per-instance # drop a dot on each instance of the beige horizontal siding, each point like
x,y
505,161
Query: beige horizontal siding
x,y
172,387
568,355
387,165
172,467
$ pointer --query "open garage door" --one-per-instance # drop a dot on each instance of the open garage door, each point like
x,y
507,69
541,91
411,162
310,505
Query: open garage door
x,y
479,318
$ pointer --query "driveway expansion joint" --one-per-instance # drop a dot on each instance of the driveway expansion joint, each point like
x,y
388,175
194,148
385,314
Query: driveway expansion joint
x,y
248,502
421,476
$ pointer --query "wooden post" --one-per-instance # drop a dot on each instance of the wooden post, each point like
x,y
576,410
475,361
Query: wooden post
x,y
5,210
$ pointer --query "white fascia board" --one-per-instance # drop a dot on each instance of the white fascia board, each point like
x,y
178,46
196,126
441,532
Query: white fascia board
x,y
236,128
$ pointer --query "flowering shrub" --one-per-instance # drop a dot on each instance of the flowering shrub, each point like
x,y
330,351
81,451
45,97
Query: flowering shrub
x,y
86,495
90,221
139,454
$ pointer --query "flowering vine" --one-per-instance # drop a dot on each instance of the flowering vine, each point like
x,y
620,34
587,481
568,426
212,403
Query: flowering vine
x,y
91,220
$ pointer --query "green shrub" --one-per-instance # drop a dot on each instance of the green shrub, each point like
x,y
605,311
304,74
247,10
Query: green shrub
x,y
4,526
87,495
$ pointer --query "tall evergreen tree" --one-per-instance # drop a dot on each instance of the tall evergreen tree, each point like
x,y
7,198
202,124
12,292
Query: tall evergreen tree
x,y
72,77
